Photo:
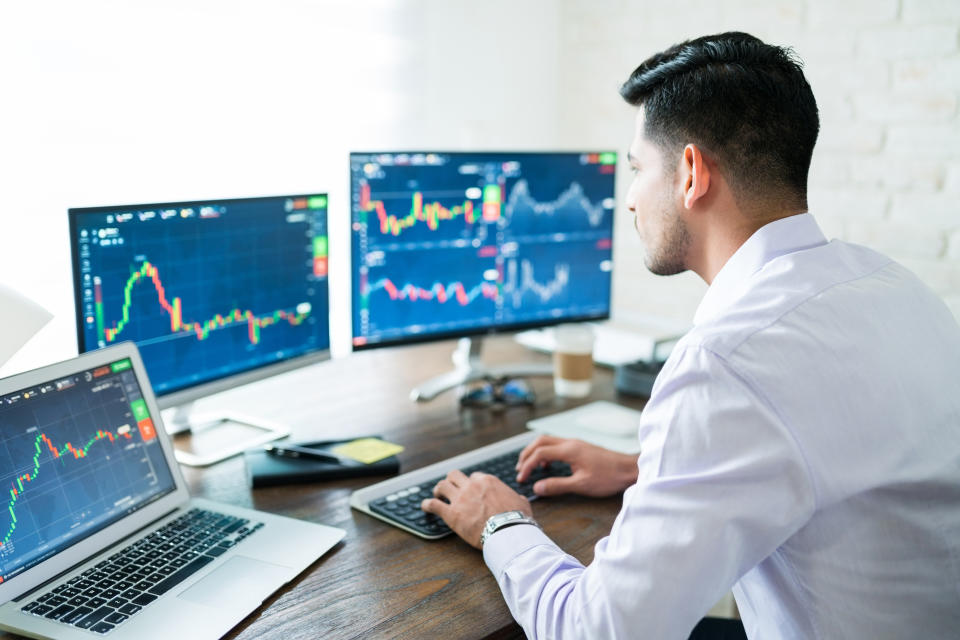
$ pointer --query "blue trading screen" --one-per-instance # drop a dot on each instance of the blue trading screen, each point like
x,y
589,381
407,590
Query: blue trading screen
x,y
206,289
76,454
451,244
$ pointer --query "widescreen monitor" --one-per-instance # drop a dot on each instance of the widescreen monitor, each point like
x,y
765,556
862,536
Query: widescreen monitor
x,y
454,244
215,293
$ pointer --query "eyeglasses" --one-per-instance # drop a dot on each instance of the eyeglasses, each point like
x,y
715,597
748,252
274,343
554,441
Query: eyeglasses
x,y
500,393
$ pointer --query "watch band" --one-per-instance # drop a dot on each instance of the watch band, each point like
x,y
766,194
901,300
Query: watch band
x,y
502,521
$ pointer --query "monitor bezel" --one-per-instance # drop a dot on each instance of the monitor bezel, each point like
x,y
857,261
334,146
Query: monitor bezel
x,y
183,395
488,330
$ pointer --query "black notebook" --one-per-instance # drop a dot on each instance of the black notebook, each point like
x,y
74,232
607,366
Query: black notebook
x,y
266,470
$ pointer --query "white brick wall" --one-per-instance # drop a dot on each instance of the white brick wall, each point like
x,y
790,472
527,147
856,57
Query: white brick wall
x,y
886,73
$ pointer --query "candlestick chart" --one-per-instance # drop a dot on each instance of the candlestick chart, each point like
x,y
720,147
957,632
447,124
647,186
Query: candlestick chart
x,y
205,296
71,459
459,243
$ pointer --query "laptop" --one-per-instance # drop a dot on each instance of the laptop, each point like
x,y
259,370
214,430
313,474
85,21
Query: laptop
x,y
98,534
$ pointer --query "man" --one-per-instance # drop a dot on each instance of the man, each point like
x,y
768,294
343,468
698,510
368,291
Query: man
x,y
802,443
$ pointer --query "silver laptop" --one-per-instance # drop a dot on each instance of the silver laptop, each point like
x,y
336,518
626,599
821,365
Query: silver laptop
x,y
98,534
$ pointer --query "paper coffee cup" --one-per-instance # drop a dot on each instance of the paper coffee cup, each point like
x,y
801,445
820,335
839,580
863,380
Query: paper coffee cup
x,y
572,360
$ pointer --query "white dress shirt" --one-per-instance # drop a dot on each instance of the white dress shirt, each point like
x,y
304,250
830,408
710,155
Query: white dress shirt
x,y
802,446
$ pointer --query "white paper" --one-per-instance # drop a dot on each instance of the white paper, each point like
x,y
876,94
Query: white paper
x,y
20,319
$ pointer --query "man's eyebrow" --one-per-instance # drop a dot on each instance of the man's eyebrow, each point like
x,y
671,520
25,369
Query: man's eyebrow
x,y
631,158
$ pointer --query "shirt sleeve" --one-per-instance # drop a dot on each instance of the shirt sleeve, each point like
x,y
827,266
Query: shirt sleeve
x,y
721,485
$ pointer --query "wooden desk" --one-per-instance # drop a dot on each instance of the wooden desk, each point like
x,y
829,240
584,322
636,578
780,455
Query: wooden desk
x,y
381,582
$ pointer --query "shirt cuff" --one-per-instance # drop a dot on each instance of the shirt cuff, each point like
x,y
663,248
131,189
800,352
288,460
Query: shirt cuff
x,y
506,544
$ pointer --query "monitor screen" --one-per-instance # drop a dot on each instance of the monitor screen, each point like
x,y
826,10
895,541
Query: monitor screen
x,y
79,452
207,289
458,244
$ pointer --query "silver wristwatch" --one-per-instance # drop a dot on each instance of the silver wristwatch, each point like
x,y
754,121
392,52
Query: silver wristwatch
x,y
504,520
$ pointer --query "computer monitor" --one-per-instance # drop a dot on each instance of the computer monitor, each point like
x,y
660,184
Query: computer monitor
x,y
461,244
216,293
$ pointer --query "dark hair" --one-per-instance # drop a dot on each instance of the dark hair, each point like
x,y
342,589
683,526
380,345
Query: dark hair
x,y
745,102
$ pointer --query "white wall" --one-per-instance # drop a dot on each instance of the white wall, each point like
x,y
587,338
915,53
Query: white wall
x,y
886,74
112,102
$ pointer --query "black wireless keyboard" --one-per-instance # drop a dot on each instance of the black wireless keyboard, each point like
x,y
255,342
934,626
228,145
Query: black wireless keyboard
x,y
403,507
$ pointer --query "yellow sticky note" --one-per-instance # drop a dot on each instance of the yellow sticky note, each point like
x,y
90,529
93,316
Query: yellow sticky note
x,y
367,450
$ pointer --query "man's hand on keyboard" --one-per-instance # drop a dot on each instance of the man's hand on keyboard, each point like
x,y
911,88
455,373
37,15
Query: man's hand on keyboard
x,y
472,500
597,472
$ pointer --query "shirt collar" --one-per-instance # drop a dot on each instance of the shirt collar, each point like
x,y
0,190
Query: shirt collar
x,y
777,238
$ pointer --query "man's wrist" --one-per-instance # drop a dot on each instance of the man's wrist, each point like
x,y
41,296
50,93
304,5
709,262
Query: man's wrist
x,y
503,520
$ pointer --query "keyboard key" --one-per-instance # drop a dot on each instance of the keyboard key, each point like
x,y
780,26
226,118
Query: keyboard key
x,y
236,525
129,609
62,610
115,618
176,578
75,615
93,618
42,610
101,627
143,599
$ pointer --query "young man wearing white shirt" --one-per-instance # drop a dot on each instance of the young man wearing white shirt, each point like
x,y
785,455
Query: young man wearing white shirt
x,y
802,443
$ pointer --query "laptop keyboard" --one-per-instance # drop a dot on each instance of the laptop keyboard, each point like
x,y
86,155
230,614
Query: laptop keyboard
x,y
117,588
403,506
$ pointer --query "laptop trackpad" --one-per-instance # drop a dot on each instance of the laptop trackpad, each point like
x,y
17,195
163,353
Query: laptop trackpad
x,y
239,582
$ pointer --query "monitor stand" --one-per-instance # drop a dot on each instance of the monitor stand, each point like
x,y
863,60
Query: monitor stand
x,y
216,436
469,368
177,419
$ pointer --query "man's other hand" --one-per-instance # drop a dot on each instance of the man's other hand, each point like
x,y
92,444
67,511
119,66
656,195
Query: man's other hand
x,y
472,501
597,472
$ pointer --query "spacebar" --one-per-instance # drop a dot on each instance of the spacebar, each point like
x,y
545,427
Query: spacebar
x,y
185,572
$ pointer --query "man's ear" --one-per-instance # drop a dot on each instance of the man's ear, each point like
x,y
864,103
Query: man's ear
x,y
697,174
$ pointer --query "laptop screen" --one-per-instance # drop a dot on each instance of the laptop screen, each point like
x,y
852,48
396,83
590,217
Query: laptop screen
x,y
76,454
